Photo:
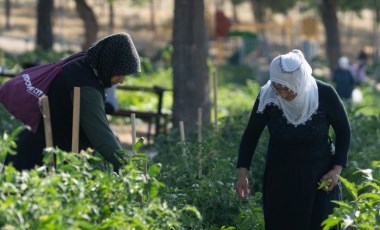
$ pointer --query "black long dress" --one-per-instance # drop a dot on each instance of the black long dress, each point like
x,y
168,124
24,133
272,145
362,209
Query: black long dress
x,y
297,158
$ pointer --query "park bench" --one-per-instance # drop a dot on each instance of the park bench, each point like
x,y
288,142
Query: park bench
x,y
157,116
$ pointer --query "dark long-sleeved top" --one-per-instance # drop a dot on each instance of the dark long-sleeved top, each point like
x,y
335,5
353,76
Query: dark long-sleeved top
x,y
310,137
297,158
344,83
94,131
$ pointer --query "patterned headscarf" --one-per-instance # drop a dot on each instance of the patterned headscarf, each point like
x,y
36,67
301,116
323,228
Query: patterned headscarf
x,y
292,71
112,56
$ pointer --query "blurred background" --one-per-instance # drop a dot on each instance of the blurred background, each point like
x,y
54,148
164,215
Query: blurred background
x,y
254,28
183,43
232,39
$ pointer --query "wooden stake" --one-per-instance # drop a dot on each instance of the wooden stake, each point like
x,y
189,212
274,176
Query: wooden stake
x,y
76,115
47,121
133,123
220,54
182,133
216,101
199,125
200,167
47,126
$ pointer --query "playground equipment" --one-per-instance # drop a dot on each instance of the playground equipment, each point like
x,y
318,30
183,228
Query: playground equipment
x,y
247,38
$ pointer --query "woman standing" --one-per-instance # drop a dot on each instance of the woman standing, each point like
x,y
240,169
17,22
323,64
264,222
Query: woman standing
x,y
298,111
343,79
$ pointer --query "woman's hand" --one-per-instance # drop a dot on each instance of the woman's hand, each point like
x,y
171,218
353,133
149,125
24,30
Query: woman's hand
x,y
333,175
242,184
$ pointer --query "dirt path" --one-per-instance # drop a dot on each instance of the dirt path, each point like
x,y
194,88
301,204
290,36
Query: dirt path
x,y
124,133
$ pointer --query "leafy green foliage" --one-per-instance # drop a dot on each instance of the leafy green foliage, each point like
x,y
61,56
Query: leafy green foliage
x,y
204,176
81,193
7,121
139,100
8,146
190,185
362,210
15,62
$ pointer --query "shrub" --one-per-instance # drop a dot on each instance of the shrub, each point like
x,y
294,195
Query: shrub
x,y
362,211
82,192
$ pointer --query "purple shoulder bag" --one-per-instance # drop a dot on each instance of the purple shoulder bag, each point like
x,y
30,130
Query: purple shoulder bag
x,y
21,94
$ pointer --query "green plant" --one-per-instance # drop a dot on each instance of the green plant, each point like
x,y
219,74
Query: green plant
x,y
7,121
362,211
7,146
82,192
205,175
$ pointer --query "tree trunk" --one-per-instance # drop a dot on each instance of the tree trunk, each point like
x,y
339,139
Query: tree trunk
x,y
190,71
111,23
152,6
7,14
44,25
375,42
235,18
328,10
258,11
90,24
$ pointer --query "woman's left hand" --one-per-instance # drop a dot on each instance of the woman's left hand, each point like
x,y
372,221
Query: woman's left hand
x,y
333,175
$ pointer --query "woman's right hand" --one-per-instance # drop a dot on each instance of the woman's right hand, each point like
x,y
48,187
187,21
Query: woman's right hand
x,y
242,184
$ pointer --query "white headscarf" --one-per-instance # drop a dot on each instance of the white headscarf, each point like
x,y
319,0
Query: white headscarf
x,y
344,63
293,71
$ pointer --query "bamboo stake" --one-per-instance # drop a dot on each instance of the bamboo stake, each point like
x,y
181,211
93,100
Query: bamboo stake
x,y
182,133
199,142
220,54
47,121
47,126
133,123
76,115
199,125
216,101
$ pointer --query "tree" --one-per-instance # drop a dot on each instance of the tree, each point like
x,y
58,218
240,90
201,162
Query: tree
x,y
328,11
190,70
111,21
260,11
90,23
152,11
45,37
235,3
111,16
7,14
152,7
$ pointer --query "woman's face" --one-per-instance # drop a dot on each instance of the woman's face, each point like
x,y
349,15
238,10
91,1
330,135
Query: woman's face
x,y
117,79
283,91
